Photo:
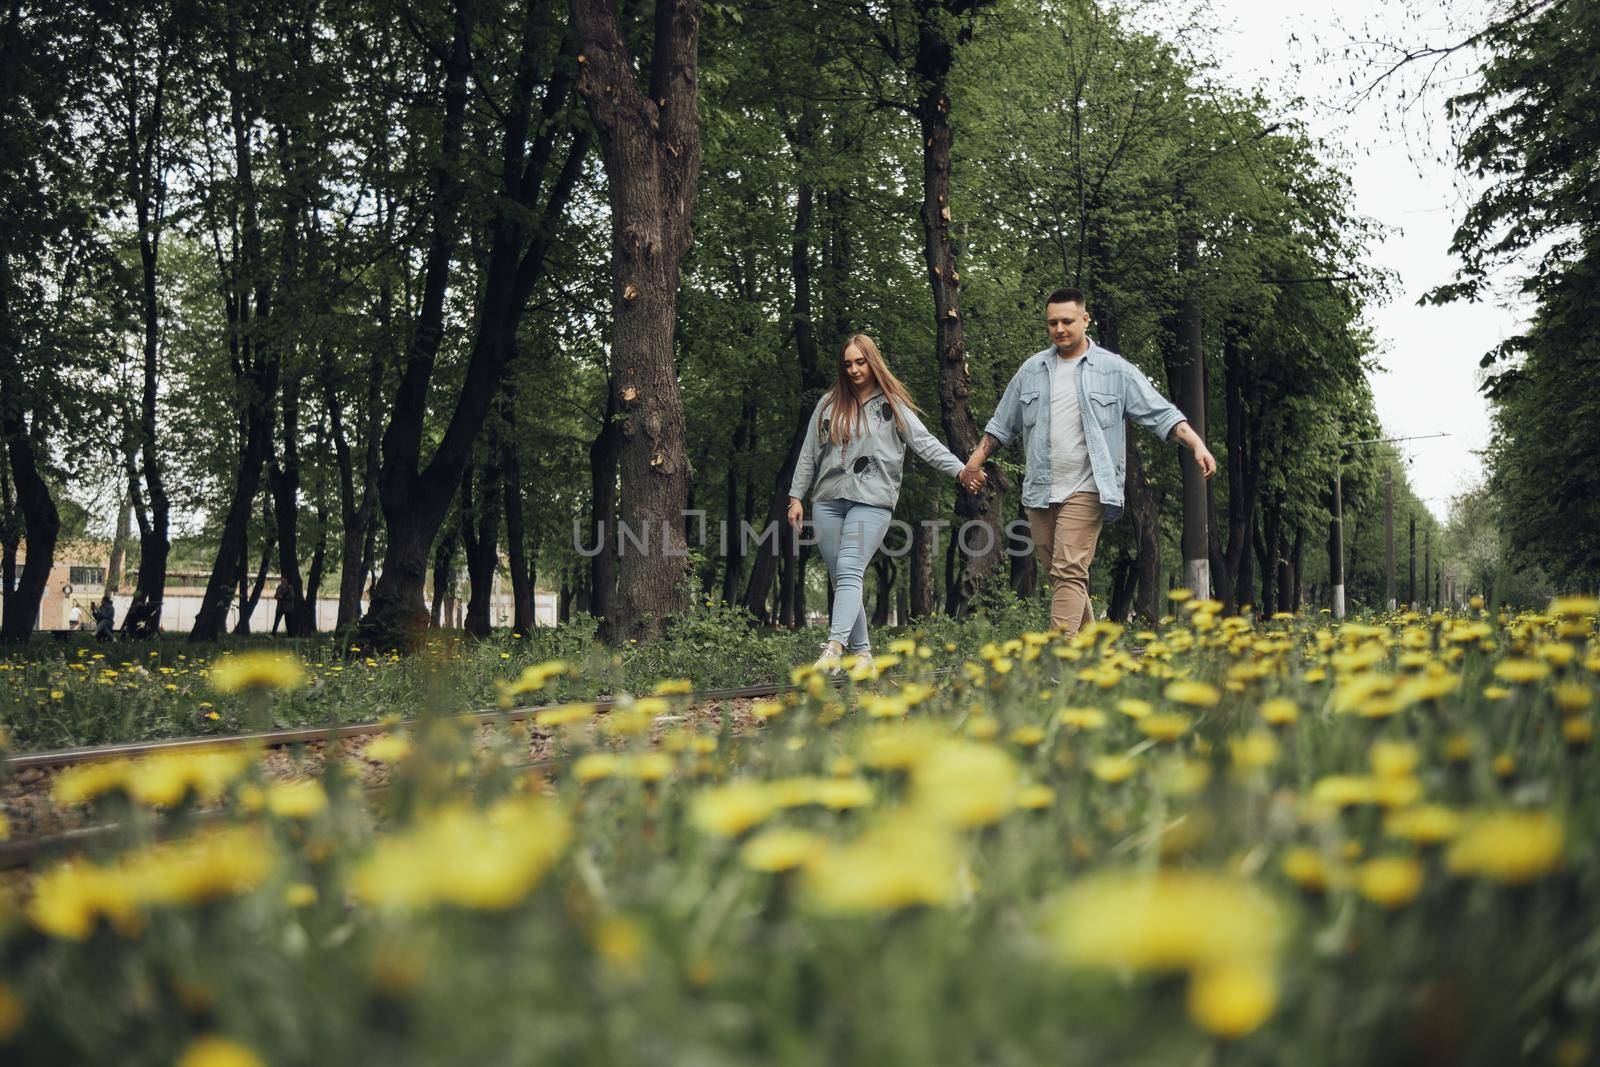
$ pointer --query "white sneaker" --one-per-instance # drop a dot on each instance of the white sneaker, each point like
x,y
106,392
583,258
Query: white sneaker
x,y
829,660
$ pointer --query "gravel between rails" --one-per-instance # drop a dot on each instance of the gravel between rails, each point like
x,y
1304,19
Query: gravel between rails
x,y
26,800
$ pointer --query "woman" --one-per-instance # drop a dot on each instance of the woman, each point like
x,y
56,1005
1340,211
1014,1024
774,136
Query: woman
x,y
855,451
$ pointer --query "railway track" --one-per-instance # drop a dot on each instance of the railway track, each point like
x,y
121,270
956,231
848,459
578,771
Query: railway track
x,y
23,851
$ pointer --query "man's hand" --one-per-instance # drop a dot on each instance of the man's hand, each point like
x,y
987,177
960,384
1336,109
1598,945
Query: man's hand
x,y
1202,455
797,512
972,478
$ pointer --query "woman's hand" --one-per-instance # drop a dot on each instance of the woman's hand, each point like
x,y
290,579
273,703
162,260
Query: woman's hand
x,y
972,479
797,512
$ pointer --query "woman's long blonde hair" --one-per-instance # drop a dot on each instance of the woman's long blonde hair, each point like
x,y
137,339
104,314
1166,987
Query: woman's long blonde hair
x,y
847,411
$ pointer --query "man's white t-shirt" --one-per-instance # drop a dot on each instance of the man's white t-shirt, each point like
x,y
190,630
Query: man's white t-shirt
x,y
1070,471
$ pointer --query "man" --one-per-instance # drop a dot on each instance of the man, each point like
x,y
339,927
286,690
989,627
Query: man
x,y
104,617
1068,403
75,617
283,596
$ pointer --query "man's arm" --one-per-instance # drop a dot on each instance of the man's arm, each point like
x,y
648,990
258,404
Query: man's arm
x,y
980,455
1191,440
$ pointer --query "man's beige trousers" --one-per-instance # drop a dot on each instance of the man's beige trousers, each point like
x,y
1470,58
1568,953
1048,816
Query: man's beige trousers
x,y
1065,536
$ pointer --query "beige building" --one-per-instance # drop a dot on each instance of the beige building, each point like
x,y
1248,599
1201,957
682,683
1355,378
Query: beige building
x,y
78,577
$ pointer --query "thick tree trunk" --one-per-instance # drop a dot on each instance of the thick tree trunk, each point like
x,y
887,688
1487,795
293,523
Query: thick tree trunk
x,y
415,499
255,364
934,58
651,148
41,522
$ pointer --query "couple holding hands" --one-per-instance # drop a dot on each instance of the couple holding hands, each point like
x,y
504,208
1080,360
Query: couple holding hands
x,y
1068,403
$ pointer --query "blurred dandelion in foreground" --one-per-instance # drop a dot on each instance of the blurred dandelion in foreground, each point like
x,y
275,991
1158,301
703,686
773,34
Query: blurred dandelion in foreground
x,y
1514,847
246,671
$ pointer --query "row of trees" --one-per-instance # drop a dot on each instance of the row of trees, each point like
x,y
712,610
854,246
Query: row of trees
x,y
366,287
1528,135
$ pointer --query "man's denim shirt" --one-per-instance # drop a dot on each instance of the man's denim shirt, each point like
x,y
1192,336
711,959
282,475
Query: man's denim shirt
x,y
1109,390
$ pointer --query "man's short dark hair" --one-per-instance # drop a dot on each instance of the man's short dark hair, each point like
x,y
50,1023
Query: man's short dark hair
x,y
1067,295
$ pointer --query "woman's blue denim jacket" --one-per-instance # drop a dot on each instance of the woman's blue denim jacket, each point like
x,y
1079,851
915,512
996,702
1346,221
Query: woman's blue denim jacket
x,y
868,468
1110,389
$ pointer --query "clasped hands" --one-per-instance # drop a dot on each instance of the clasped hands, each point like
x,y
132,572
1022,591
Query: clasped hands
x,y
972,478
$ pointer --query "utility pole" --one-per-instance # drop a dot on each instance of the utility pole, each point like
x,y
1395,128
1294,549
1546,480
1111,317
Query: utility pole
x,y
1427,567
1388,536
1411,566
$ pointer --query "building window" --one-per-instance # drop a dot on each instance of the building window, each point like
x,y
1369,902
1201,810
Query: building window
x,y
87,576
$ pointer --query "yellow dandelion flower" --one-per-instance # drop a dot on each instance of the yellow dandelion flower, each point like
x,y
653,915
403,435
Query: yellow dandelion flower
x,y
1036,797
1279,711
780,849
1575,607
1390,881
1027,736
673,687
1231,1000
389,748
1427,824
730,810
1082,718
214,1051
298,799
1510,847
564,715
900,862
964,784
1165,727
1571,697
240,671
1134,708
1254,750
1192,693
1169,920
1306,868
1113,768
1577,732
1521,671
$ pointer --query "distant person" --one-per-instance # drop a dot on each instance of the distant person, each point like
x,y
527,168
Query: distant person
x,y
851,462
283,596
104,616
1068,404
75,617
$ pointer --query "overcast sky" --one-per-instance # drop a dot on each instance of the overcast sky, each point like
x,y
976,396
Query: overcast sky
x,y
1430,354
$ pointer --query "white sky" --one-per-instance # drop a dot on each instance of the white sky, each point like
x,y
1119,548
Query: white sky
x,y
1429,354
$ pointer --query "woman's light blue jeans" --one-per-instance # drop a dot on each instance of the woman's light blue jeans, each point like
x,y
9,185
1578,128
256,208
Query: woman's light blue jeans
x,y
848,533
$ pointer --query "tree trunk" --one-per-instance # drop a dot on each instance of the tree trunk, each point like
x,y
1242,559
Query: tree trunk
x,y
41,522
444,566
480,525
603,453
934,58
797,590
1243,478
415,501
1144,509
522,588
733,556
764,562
250,591
1296,570
651,148
1024,567
921,597
119,546
255,363
884,568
